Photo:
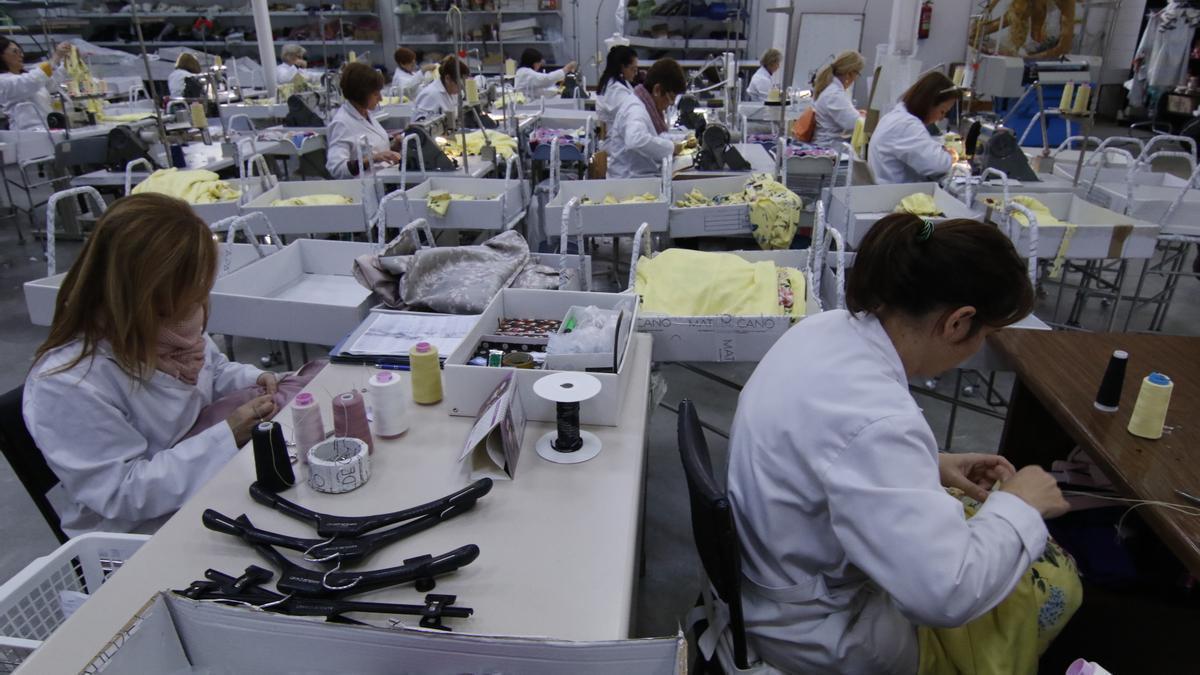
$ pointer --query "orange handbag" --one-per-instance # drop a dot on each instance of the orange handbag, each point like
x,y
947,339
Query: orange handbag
x,y
805,126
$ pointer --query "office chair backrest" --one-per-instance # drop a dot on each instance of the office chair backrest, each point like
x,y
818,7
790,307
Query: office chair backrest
x,y
26,459
712,525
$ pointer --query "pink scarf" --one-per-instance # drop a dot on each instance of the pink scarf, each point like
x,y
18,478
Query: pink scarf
x,y
660,122
180,348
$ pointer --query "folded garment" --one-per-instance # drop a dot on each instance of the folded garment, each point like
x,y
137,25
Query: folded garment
x,y
315,200
610,200
680,282
919,204
192,186
505,145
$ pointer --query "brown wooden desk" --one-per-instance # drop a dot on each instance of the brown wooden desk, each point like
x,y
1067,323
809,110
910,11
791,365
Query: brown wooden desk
x,y
1058,375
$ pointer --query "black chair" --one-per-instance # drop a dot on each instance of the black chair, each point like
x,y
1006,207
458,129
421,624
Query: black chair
x,y
713,528
26,459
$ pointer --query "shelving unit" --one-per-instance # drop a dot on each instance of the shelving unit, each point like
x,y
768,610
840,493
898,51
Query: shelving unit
x,y
688,34
427,28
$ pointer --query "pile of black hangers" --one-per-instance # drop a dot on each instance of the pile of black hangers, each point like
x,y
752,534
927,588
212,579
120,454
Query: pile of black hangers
x,y
341,539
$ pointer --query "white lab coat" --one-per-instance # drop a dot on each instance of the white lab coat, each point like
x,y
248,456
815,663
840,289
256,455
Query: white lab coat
x,y
115,443
634,150
177,81
902,151
761,84
432,100
31,86
538,85
286,72
407,84
608,103
848,539
345,130
835,115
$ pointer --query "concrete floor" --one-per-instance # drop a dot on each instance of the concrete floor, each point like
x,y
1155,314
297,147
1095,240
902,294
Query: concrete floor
x,y
670,583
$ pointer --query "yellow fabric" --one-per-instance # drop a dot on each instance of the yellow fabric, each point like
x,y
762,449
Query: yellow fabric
x,y
680,282
124,117
919,204
47,68
774,212
610,200
858,140
193,187
314,200
1010,638
955,142
1045,219
505,145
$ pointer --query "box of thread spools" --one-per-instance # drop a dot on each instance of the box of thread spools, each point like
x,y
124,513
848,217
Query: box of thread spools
x,y
536,333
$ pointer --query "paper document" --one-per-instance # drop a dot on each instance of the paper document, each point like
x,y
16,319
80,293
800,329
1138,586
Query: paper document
x,y
394,334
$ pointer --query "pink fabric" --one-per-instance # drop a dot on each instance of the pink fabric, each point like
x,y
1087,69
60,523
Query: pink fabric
x,y
180,348
220,410
660,122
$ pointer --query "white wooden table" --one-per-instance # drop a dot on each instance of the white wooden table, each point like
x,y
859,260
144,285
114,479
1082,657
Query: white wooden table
x,y
558,546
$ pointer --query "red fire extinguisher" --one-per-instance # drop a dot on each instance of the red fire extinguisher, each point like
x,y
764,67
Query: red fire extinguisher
x,y
926,20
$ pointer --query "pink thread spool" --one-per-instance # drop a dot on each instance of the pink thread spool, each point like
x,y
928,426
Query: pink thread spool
x,y
350,418
307,425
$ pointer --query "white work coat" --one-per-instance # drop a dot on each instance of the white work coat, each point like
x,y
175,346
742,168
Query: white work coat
x,y
177,81
31,86
432,100
407,84
634,149
115,442
538,85
761,84
835,115
285,73
345,130
902,151
607,104
848,539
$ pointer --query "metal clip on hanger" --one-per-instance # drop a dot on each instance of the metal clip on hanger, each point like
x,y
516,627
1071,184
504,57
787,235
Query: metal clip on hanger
x,y
355,526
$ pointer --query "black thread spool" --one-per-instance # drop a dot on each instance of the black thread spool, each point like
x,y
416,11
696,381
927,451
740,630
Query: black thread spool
x,y
567,418
272,465
1108,399
568,443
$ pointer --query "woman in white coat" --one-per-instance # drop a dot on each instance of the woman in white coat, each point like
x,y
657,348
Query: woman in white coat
x,y
18,86
616,82
763,80
441,95
409,77
185,66
849,539
117,388
901,149
532,82
352,124
834,111
292,64
635,146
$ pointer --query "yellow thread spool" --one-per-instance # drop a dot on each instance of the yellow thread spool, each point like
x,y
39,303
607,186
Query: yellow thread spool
x,y
352,57
426,373
1150,411
1082,97
510,68
199,120
1064,105
472,92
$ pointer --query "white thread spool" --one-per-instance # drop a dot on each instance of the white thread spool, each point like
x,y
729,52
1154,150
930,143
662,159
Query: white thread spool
x,y
389,405
338,465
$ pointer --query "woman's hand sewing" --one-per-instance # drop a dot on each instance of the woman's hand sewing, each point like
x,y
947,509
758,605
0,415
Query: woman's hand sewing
x,y
242,421
269,382
973,473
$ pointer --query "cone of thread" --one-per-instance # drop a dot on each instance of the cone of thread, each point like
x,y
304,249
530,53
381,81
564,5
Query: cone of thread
x,y
426,373
1108,398
307,424
1150,411
272,465
388,405
350,418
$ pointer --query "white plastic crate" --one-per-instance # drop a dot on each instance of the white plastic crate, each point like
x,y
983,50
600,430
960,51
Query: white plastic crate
x,y
30,605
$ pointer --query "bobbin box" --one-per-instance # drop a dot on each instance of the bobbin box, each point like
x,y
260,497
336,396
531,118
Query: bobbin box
x,y
466,387
853,210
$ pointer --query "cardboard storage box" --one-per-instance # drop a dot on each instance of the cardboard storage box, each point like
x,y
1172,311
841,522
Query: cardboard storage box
x,y
467,387
173,634
313,219
708,221
304,293
853,210
482,213
1100,233
211,213
1150,203
724,337
601,219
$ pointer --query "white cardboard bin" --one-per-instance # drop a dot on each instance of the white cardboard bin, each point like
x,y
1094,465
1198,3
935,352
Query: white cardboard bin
x,y
173,634
313,219
467,387
1150,203
602,219
211,213
482,213
725,338
304,293
853,210
709,221
1100,233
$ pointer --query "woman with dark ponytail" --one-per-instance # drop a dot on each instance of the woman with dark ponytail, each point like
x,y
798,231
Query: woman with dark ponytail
x,y
854,554
616,82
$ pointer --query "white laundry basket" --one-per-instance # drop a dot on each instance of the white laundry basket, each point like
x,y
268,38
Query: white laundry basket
x,y
30,605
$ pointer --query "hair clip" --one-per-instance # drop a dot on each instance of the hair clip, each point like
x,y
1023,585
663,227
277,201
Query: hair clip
x,y
926,231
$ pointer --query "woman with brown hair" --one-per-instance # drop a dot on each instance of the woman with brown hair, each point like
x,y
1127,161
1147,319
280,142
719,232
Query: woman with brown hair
x,y
352,124
441,95
20,86
118,386
409,77
852,548
901,149
635,145
185,66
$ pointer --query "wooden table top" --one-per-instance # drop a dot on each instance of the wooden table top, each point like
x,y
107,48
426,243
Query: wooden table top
x,y
1063,370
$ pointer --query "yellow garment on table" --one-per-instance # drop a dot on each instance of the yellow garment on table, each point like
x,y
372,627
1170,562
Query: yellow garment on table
x,y
919,204
693,199
1046,219
858,140
505,145
438,201
124,117
680,282
774,212
192,186
1011,637
314,200
610,200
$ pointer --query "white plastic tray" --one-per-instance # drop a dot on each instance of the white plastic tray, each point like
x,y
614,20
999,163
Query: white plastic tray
x,y
478,214
1101,233
600,219
853,210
